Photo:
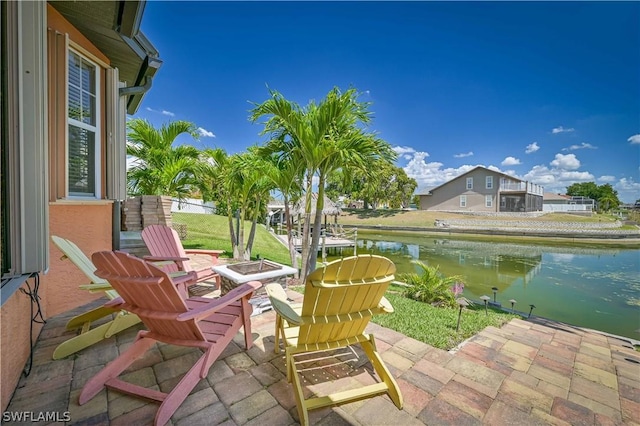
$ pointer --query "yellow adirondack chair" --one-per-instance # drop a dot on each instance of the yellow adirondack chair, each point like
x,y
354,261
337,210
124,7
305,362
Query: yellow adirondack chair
x,y
339,300
89,336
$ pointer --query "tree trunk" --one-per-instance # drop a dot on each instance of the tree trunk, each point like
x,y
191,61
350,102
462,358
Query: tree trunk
x,y
252,233
305,229
292,248
317,224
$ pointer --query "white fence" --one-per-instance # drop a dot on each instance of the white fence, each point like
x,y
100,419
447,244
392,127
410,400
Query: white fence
x,y
192,205
567,207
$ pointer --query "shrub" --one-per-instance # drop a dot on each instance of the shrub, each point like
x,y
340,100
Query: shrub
x,y
430,286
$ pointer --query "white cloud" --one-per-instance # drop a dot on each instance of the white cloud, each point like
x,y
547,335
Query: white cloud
x,y
205,133
404,150
628,190
407,156
607,179
468,154
561,129
532,147
583,145
163,112
566,162
634,140
510,161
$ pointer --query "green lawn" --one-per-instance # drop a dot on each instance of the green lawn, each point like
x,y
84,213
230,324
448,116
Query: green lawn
x,y
209,231
435,326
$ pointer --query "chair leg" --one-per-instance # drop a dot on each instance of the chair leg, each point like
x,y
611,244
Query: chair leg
x,y
276,347
115,367
293,377
94,335
89,316
179,393
369,347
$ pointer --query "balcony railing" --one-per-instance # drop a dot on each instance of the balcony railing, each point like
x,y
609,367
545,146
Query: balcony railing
x,y
519,186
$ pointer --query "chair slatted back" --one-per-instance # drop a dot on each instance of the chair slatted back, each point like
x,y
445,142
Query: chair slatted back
x,y
164,241
77,256
341,297
147,292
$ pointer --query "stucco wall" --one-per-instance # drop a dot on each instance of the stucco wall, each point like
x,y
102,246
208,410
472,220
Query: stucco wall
x,y
447,196
14,324
88,225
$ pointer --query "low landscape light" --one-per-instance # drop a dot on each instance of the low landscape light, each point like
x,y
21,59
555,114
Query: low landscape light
x,y
532,306
462,302
495,290
513,302
485,299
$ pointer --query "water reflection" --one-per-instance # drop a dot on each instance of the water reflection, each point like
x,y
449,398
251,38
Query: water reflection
x,y
593,287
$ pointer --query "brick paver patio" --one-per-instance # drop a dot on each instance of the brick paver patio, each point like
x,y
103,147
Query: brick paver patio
x,y
525,373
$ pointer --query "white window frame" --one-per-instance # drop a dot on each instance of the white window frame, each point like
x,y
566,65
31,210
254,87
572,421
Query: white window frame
x,y
489,182
469,183
488,200
463,201
96,129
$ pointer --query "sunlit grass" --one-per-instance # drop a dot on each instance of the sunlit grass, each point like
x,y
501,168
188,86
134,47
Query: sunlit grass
x,y
208,231
435,326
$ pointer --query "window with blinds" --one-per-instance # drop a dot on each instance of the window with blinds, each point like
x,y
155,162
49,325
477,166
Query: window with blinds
x,y
83,148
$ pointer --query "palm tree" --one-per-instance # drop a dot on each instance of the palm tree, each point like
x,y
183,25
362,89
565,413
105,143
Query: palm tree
x,y
286,176
160,168
324,137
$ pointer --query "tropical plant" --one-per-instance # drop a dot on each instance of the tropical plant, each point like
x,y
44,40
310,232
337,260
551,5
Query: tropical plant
x,y
323,137
240,186
159,167
431,286
287,178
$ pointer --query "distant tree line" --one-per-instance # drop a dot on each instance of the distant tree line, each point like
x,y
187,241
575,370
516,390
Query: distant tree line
x,y
604,195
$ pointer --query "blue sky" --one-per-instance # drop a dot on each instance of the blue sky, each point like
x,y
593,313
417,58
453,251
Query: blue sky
x,y
548,92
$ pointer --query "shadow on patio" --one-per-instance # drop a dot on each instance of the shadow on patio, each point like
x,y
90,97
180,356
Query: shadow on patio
x,y
527,372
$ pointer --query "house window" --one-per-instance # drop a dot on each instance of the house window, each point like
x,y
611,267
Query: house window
x,y
489,182
83,138
488,201
463,201
469,183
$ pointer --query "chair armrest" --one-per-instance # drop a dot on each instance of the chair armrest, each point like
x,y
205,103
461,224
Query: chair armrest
x,y
385,306
165,259
216,304
212,253
281,305
180,278
94,288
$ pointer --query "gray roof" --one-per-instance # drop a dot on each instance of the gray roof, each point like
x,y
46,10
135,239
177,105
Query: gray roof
x,y
330,208
114,28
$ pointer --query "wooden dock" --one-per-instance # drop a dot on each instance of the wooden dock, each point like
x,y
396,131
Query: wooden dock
x,y
329,242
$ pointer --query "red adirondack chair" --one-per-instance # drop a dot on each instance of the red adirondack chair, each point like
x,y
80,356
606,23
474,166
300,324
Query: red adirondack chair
x,y
164,244
208,324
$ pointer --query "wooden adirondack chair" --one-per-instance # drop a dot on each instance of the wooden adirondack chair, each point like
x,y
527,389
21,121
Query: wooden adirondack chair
x,y
208,324
164,243
89,336
339,300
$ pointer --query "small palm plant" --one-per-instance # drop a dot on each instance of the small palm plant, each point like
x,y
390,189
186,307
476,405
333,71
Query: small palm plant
x,y
430,286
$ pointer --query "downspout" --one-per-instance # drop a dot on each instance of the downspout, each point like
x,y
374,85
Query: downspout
x,y
117,204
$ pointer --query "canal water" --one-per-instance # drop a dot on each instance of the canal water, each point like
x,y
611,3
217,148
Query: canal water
x,y
588,286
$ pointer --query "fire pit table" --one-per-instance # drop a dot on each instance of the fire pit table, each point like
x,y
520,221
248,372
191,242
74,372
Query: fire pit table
x,y
265,271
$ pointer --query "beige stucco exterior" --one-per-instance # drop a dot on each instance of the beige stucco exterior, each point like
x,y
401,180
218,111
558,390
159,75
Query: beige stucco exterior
x,y
471,192
88,223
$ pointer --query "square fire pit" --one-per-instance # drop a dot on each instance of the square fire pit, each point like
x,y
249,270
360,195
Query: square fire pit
x,y
265,271
255,267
